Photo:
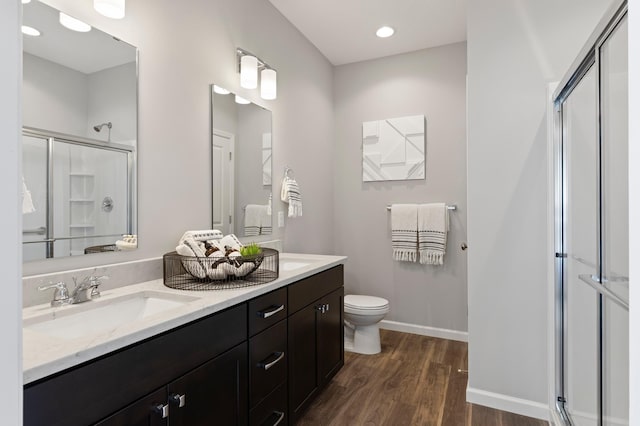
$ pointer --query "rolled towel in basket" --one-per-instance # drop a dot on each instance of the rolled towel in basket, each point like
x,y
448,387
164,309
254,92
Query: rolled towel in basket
x,y
193,264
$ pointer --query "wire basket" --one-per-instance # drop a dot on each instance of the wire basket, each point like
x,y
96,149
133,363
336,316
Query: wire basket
x,y
100,249
205,273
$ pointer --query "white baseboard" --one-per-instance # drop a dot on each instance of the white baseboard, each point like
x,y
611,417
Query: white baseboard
x,y
423,330
524,407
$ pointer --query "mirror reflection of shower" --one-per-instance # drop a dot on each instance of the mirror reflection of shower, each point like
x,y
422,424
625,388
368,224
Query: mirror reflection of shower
x,y
99,127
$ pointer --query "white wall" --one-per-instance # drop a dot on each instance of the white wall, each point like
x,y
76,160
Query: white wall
x,y
634,211
10,215
515,48
184,47
429,82
54,97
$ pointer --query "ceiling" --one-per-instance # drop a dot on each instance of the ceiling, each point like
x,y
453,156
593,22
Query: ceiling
x,y
85,52
344,30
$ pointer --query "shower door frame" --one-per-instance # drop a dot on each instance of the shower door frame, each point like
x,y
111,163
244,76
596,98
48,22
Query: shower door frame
x,y
588,58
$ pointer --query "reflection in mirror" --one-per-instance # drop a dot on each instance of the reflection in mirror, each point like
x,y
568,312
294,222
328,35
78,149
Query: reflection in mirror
x,y
393,149
79,139
241,166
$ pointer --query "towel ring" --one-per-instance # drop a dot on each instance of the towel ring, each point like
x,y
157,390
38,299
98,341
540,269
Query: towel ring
x,y
288,172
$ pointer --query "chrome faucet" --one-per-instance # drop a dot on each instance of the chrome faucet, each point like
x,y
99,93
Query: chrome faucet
x,y
86,290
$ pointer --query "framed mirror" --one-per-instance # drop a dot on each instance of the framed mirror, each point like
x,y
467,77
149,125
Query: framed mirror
x,y
241,150
79,137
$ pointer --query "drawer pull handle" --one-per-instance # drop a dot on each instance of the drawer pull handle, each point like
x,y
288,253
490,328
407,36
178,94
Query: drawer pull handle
x,y
163,410
280,417
272,311
267,365
179,400
323,308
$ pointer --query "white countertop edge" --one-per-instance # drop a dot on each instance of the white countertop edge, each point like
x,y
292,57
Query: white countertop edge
x,y
44,355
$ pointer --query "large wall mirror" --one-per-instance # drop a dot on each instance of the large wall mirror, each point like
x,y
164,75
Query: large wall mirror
x,y
79,99
241,149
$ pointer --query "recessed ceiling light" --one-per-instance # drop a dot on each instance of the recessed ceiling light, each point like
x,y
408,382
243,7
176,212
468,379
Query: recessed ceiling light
x,y
220,90
384,32
73,23
30,31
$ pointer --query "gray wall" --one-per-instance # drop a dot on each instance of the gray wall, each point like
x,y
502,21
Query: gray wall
x,y
515,48
10,215
176,68
429,82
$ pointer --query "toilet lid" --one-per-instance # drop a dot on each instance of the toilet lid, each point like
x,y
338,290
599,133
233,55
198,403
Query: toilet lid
x,y
365,302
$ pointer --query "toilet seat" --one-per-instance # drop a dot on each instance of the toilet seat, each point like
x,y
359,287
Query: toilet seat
x,y
359,304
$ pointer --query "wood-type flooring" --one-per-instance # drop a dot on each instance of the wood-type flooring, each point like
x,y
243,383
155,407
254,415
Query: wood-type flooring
x,y
416,380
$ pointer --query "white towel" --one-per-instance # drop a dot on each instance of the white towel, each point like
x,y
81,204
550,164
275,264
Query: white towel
x,y
433,224
253,219
404,232
27,201
290,193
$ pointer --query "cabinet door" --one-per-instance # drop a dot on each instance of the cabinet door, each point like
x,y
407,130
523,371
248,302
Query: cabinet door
x,y
213,394
148,411
303,377
330,337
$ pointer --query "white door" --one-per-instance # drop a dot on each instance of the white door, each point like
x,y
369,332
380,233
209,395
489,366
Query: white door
x,y
222,181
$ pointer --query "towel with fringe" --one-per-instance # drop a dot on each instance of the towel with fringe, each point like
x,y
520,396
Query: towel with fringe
x,y
253,219
433,224
290,194
404,232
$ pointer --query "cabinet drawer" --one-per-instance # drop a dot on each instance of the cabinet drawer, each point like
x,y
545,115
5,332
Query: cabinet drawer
x,y
268,361
307,290
266,310
272,410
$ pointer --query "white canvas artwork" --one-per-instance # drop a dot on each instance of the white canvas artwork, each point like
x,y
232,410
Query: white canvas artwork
x,y
393,149
266,158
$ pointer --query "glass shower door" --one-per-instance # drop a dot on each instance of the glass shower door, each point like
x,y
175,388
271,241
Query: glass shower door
x,y
593,245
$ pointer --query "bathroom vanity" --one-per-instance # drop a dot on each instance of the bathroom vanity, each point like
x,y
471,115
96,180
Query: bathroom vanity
x,y
257,355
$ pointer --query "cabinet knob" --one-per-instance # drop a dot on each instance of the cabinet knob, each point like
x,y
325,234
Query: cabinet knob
x,y
161,409
177,399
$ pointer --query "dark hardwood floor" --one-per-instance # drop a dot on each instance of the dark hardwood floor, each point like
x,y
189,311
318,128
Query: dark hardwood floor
x,y
414,381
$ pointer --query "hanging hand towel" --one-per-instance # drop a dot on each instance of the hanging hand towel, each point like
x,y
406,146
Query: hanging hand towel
x,y
27,201
291,194
253,219
404,232
433,224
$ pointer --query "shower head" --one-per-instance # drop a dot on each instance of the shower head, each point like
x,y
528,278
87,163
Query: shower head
x,y
99,127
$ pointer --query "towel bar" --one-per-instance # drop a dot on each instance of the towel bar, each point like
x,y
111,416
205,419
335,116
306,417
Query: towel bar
x,y
450,207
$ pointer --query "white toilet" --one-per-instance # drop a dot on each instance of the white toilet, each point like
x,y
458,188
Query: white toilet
x,y
361,317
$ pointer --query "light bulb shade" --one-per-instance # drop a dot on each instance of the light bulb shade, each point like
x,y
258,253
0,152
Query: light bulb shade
x,y
73,23
268,84
30,31
249,72
110,8
241,100
220,90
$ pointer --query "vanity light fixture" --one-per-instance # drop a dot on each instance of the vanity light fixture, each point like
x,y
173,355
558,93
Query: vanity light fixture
x,y
26,1
248,66
220,90
30,31
268,84
248,72
73,23
384,32
113,9
242,101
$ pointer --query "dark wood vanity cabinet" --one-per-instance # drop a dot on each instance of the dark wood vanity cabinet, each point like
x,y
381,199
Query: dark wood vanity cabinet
x,y
316,336
257,363
88,393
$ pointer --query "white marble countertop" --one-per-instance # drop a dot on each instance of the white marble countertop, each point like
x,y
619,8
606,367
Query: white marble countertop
x,y
44,354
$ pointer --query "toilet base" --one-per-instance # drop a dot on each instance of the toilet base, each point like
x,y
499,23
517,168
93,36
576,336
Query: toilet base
x,y
363,339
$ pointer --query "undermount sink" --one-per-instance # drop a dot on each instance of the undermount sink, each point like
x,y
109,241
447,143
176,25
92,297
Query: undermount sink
x,y
93,317
290,265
